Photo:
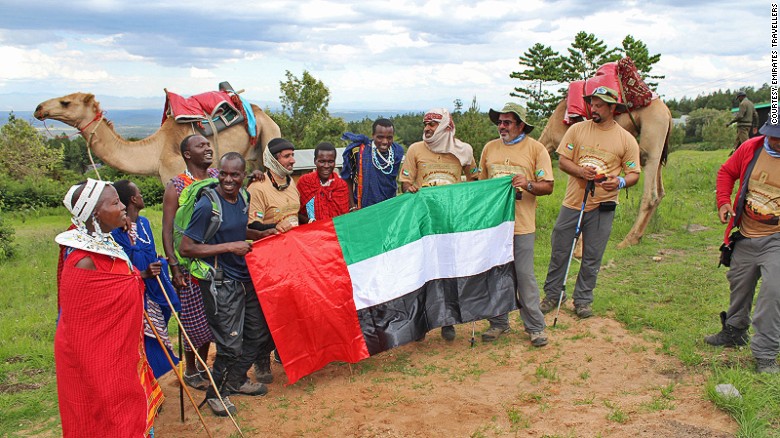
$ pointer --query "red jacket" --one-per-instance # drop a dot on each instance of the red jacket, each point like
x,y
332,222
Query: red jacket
x,y
734,168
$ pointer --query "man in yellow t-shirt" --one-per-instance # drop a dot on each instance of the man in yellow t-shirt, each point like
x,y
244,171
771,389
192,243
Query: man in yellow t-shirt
x,y
594,150
439,159
274,202
528,163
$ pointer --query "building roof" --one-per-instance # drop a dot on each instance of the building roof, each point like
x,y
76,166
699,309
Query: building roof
x,y
304,159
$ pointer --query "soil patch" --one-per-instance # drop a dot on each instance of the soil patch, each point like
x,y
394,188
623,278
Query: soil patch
x,y
594,379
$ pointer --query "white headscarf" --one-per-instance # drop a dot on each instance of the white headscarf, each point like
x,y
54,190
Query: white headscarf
x,y
443,140
84,206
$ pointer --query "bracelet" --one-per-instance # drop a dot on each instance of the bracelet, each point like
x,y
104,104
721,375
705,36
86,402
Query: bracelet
x,y
174,264
621,182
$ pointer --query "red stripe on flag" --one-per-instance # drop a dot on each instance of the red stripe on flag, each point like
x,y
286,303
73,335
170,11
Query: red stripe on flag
x,y
306,298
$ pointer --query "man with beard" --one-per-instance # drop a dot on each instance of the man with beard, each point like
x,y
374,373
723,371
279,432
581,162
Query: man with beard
x,y
371,165
274,202
528,163
323,195
439,159
593,153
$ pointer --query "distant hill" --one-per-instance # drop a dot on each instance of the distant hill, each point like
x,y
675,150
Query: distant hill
x,y
144,122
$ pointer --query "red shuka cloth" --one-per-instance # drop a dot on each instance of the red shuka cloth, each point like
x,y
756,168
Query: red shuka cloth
x,y
331,201
105,386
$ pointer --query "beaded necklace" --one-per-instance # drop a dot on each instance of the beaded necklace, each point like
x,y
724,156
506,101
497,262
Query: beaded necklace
x,y
376,156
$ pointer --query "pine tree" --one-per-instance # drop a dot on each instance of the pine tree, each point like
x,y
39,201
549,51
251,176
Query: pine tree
x,y
586,54
637,51
543,68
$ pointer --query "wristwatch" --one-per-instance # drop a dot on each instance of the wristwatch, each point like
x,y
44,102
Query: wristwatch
x,y
529,188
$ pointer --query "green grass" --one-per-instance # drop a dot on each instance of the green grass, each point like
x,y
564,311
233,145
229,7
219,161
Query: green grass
x,y
674,302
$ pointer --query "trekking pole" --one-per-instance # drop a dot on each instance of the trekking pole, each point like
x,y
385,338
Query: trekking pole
x,y
175,371
589,188
181,370
202,362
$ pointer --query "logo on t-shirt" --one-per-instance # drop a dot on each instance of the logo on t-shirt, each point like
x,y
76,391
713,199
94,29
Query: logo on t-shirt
x,y
539,173
570,147
630,164
406,172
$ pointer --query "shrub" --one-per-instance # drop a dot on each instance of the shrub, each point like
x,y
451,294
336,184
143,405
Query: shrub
x,y
7,247
31,192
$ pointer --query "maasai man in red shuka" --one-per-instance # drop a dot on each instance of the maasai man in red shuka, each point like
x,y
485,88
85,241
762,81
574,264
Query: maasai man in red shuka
x,y
105,386
323,194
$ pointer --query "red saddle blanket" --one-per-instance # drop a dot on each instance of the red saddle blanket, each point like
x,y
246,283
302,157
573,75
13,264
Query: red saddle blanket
x,y
621,76
197,107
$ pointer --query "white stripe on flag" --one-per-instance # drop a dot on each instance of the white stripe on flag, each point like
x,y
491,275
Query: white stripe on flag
x,y
398,272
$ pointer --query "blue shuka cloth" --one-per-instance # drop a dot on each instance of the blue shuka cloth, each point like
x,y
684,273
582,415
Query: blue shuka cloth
x,y
142,254
377,186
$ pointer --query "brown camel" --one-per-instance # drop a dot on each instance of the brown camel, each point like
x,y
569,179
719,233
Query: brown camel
x,y
655,123
158,154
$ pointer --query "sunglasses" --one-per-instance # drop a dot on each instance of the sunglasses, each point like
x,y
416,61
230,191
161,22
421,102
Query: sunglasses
x,y
604,90
505,122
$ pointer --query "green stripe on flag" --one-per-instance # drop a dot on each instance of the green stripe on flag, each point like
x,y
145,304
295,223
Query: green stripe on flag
x,y
435,210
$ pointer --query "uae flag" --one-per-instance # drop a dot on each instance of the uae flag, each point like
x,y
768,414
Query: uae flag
x,y
369,281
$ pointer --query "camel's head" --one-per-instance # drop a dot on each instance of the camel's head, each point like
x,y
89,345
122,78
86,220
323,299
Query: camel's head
x,y
75,109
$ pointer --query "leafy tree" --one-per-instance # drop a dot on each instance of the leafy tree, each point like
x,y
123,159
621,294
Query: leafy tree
x,y
543,67
475,128
322,128
696,121
74,152
586,54
303,100
637,51
24,151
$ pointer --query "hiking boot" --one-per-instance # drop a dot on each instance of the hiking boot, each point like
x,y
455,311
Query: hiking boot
x,y
448,333
249,388
538,339
494,333
263,370
549,303
583,310
728,336
196,381
767,366
218,409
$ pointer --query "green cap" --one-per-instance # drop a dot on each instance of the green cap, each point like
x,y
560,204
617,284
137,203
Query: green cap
x,y
606,94
515,108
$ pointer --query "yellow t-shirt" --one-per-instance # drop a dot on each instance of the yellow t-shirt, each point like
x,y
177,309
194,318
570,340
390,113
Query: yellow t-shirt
x,y
269,205
424,168
609,149
761,216
529,158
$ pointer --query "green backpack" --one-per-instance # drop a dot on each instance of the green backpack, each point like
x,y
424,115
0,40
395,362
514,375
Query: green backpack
x,y
187,200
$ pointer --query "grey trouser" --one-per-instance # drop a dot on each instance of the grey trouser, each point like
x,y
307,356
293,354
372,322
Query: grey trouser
x,y
527,289
753,259
239,329
596,227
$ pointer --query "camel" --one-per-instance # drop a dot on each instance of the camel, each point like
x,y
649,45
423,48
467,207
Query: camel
x,y
655,123
157,154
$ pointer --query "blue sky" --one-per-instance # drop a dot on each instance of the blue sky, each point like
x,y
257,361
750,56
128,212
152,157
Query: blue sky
x,y
372,55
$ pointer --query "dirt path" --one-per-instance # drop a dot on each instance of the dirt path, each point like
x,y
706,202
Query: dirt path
x,y
594,379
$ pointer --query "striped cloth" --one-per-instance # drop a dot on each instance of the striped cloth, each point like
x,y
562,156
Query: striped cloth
x,y
193,315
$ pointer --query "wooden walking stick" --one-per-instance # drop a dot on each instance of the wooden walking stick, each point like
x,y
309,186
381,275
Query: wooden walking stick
x,y
202,362
175,370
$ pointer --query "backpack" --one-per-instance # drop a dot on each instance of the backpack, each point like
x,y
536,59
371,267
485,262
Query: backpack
x,y
187,200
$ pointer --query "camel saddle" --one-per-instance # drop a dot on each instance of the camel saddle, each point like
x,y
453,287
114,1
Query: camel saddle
x,y
622,76
207,112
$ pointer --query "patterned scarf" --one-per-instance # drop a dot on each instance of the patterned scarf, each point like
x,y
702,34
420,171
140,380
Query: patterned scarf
x,y
443,140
